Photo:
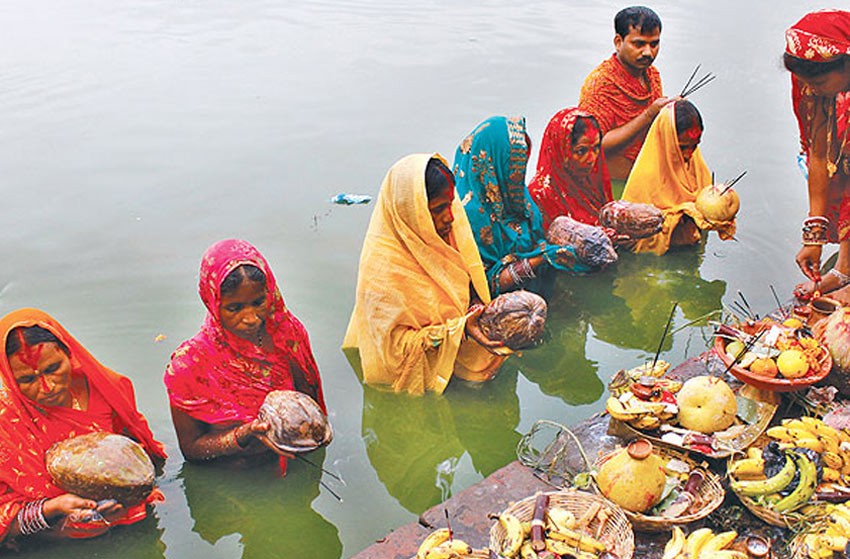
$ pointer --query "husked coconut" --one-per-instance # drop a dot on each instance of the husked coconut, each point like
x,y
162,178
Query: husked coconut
x,y
296,422
592,245
706,404
101,466
516,319
633,219
718,202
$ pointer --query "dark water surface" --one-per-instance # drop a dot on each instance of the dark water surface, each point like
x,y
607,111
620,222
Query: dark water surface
x,y
135,134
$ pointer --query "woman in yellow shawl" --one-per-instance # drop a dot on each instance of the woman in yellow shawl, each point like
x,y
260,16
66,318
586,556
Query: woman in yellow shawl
x,y
420,286
668,173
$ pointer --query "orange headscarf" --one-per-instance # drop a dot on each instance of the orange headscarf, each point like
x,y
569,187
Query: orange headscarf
x,y
27,430
662,178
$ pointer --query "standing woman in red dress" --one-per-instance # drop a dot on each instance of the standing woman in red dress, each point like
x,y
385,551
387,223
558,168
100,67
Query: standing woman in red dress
x,y
818,56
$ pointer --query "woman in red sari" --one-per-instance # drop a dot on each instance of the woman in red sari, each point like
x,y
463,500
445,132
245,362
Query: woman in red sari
x,y
249,345
572,177
818,56
52,390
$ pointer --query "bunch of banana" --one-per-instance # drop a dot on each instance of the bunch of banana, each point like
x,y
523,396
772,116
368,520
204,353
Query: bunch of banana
x,y
641,414
832,445
832,535
440,544
562,537
746,481
701,544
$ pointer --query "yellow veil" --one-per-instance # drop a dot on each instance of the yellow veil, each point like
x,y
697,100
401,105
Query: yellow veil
x,y
661,177
413,291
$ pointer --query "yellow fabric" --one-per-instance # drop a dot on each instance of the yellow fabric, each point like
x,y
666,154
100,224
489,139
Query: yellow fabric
x,y
661,177
413,291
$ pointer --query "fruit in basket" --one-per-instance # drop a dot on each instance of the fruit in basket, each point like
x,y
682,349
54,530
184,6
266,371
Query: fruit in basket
x,y
633,477
706,404
792,363
769,486
805,488
764,367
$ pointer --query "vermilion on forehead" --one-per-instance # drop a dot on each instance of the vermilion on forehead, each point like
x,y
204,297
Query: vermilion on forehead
x,y
28,355
693,134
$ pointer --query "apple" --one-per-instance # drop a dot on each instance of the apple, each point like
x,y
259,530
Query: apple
x,y
706,404
717,203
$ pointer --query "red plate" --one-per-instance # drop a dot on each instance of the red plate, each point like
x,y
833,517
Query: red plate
x,y
779,383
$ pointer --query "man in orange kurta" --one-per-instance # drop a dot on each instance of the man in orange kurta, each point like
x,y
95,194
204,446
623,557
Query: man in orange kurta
x,y
624,92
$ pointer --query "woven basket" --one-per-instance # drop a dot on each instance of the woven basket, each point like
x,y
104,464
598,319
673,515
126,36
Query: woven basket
x,y
476,554
710,493
615,533
783,520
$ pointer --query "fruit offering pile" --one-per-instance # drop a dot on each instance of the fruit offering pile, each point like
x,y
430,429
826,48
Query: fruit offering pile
x,y
805,456
769,348
560,534
702,407
701,544
832,535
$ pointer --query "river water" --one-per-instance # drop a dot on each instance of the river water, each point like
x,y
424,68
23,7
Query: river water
x,y
136,134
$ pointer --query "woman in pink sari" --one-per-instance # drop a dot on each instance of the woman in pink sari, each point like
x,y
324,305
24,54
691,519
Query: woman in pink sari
x,y
249,345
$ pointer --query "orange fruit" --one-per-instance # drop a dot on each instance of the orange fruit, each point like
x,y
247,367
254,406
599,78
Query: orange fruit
x,y
764,367
792,363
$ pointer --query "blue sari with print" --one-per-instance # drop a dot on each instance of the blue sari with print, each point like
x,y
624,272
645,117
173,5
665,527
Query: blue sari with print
x,y
489,169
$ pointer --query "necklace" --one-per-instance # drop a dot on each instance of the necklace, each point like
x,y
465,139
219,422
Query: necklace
x,y
831,122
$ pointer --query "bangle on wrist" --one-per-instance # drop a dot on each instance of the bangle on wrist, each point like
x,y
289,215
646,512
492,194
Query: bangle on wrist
x,y
815,229
31,518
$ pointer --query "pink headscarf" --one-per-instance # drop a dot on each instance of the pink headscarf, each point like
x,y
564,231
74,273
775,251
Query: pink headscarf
x,y
217,377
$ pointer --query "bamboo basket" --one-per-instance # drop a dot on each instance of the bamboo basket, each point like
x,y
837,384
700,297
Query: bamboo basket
x,y
616,532
710,493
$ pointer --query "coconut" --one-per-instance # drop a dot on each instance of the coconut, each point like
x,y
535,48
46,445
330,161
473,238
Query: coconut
x,y
834,333
632,219
296,422
718,202
592,245
516,319
633,477
101,466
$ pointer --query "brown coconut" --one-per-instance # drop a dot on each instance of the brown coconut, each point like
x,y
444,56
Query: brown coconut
x,y
516,319
296,422
101,466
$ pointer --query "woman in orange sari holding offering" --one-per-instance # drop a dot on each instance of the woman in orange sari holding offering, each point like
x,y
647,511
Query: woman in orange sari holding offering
x,y
52,390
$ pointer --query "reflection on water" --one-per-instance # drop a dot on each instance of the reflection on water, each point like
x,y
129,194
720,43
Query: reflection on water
x,y
272,516
416,444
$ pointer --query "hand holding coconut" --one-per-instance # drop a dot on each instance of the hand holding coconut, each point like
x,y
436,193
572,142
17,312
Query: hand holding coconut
x,y
719,203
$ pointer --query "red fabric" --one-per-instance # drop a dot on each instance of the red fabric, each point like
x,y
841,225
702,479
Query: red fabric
x,y
555,189
614,96
820,36
219,378
28,430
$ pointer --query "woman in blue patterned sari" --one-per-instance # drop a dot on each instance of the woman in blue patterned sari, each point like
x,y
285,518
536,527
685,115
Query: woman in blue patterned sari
x,y
489,168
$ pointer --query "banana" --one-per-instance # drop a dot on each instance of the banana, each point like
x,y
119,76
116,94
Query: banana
x,y
676,545
433,539
577,539
560,519
458,546
841,510
696,541
526,552
513,534
786,435
833,460
840,523
820,428
564,549
748,468
812,443
647,423
834,543
830,475
442,551
753,452
805,489
766,486
617,410
720,541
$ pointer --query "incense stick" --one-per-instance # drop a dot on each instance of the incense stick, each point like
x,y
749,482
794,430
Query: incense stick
x,y
778,302
333,475
688,83
708,78
731,183
744,299
664,335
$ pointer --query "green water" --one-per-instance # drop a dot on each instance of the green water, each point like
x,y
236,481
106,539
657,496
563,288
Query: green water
x,y
134,135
